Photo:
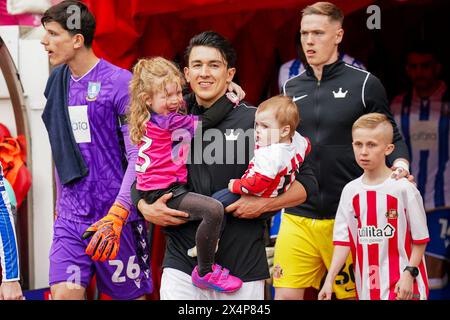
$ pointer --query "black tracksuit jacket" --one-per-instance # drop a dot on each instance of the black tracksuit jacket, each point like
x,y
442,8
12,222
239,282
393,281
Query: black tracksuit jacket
x,y
328,108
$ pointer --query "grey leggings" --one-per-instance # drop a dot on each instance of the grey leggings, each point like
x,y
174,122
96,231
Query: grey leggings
x,y
211,213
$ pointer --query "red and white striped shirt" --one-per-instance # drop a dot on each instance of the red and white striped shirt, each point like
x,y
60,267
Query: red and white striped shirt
x,y
273,168
380,223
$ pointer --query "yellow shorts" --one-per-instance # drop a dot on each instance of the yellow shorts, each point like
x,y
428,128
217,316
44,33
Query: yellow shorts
x,y
303,253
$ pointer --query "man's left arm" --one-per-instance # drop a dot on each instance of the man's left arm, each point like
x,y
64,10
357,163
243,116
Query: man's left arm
x,y
376,100
250,207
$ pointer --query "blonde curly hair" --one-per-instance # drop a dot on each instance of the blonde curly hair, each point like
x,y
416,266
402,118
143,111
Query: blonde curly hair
x,y
150,75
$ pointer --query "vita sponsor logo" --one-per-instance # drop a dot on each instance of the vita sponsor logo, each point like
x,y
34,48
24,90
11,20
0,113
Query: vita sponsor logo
x,y
374,235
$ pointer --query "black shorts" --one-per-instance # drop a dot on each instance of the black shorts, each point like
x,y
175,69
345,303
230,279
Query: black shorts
x,y
178,190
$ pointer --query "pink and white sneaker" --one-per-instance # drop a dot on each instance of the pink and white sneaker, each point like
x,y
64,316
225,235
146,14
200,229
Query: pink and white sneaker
x,y
219,279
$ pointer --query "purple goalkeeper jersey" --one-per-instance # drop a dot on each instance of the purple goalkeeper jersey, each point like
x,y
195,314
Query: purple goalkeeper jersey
x,y
95,102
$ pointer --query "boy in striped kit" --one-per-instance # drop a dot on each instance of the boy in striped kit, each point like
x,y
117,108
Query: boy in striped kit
x,y
9,254
381,221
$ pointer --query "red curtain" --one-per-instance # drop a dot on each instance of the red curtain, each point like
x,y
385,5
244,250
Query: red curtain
x,y
262,32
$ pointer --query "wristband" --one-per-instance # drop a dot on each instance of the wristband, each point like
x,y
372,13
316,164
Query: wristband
x,y
233,98
401,164
119,211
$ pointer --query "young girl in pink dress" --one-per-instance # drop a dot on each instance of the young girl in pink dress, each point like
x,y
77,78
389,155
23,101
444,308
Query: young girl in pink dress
x,y
163,136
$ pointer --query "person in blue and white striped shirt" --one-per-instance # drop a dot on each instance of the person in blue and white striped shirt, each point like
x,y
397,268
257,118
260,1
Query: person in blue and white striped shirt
x,y
422,115
9,255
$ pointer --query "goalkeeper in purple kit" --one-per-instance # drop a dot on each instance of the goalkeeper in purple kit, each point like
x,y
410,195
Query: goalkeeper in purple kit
x,y
87,100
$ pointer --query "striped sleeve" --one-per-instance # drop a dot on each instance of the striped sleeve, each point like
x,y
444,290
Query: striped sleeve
x,y
341,235
8,241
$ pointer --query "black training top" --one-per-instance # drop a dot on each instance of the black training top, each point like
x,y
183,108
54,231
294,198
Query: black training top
x,y
222,154
328,108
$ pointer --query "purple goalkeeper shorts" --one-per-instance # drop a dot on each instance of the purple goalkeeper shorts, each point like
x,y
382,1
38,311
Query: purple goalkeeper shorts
x,y
126,277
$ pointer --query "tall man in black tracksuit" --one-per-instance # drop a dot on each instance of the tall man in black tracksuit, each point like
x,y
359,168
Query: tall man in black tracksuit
x,y
223,153
330,95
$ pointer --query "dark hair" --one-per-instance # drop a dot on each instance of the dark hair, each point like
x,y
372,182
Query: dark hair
x,y
214,40
63,14
423,47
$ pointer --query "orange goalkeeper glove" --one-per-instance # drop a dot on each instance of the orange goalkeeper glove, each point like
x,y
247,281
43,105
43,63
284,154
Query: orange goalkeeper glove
x,y
106,240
